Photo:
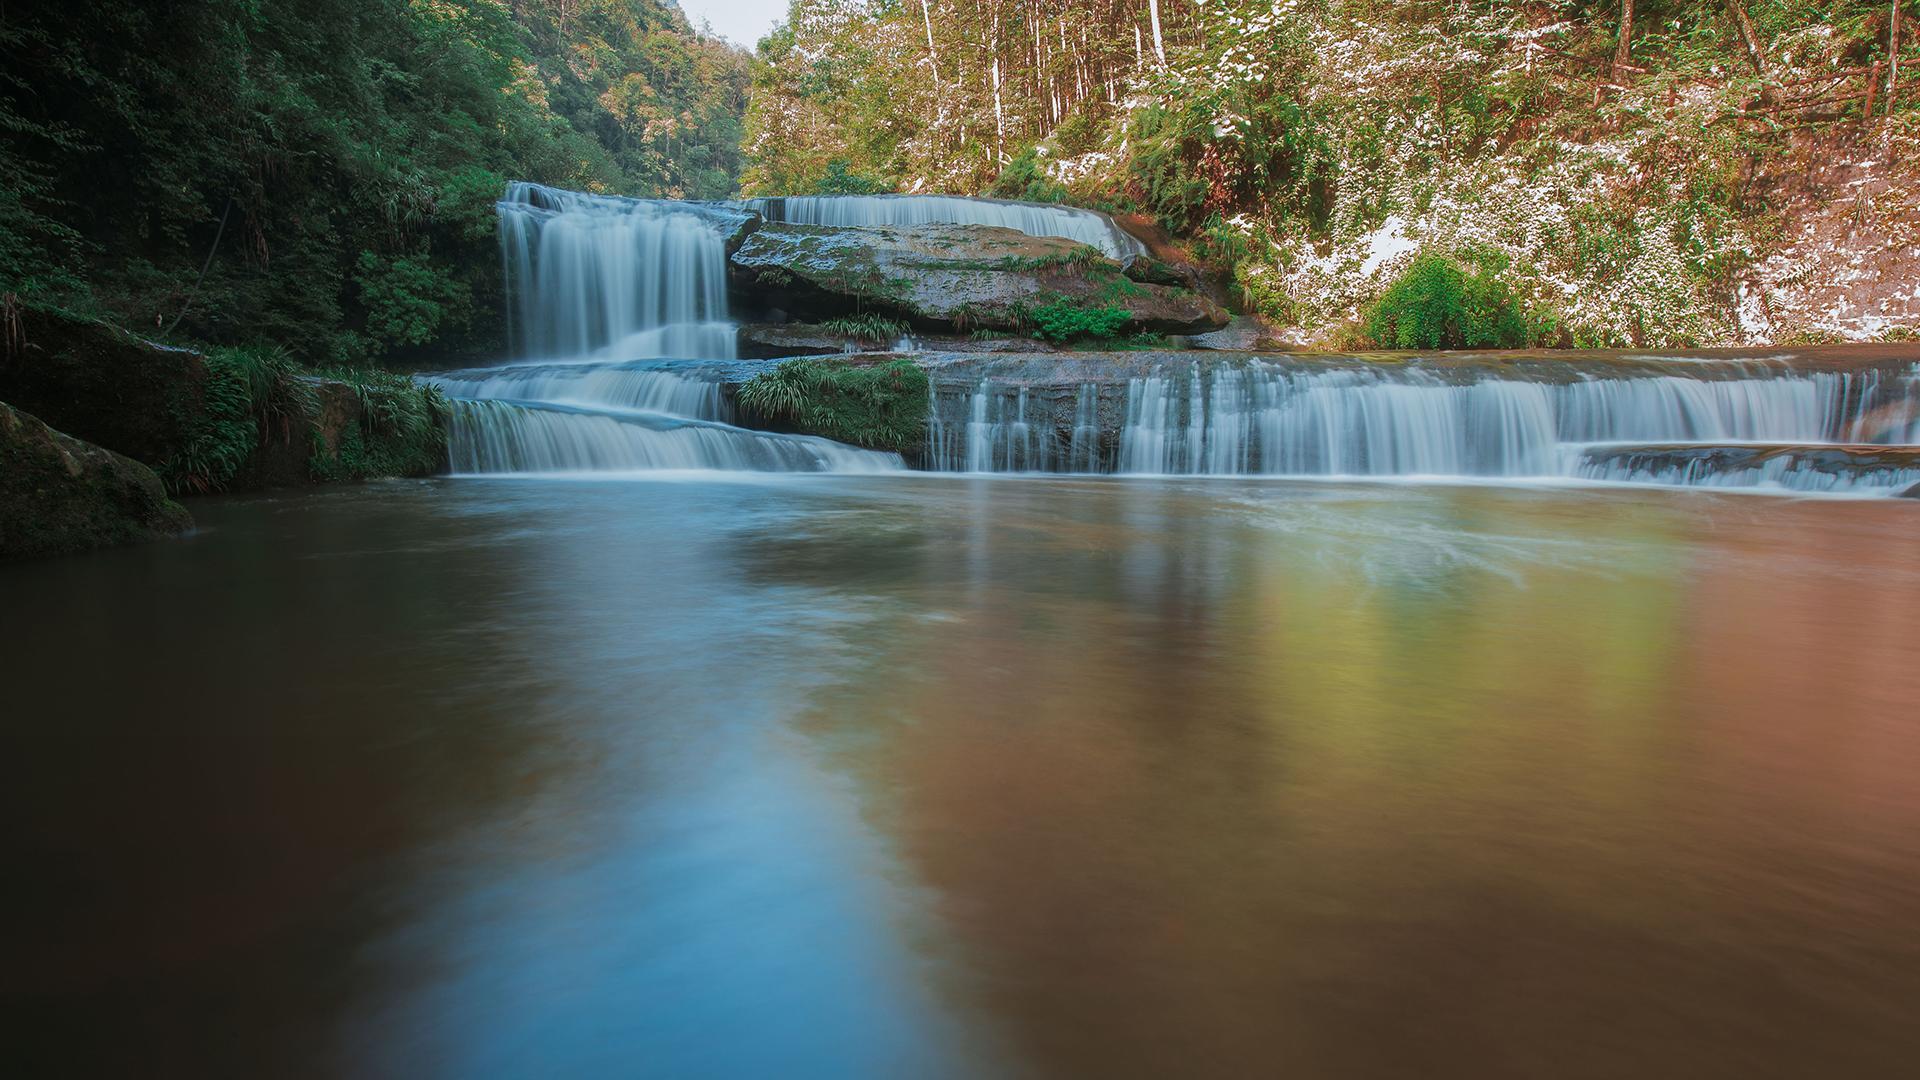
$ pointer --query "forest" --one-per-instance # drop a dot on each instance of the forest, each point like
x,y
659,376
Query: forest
x,y
1602,172
319,176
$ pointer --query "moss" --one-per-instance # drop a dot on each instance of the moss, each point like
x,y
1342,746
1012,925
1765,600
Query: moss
x,y
60,495
879,406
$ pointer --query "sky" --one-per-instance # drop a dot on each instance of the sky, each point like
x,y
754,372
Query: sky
x,y
743,22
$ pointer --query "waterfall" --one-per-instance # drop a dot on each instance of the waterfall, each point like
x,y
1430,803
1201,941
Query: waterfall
x,y
1795,468
616,302
504,437
622,278
1409,420
1089,227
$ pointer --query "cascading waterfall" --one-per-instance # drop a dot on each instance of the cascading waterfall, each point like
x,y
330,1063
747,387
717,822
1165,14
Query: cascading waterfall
x,y
615,277
616,303
1267,419
1035,219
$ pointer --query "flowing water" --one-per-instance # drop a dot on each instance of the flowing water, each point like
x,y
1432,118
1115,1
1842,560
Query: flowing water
x,y
615,302
914,776
1539,420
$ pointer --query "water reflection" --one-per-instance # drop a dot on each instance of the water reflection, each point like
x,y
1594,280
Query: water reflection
x,y
972,777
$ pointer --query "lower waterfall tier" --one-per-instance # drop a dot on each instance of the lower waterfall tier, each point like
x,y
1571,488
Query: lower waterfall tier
x,y
496,436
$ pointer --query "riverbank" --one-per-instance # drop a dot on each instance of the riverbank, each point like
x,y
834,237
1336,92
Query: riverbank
x,y
197,422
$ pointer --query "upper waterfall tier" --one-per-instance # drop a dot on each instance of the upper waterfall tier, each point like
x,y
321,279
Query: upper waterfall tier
x,y
1089,227
621,278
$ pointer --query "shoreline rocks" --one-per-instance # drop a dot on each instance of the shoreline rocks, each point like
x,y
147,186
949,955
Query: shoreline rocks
x,y
60,495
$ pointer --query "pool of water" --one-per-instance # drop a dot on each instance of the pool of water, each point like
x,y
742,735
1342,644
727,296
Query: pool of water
x,y
919,776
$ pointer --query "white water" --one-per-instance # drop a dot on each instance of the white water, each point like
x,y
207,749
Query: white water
x,y
1270,420
622,278
508,437
1035,219
601,290
1787,471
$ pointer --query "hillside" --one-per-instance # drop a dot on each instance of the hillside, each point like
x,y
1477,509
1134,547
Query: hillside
x,y
1708,173
320,175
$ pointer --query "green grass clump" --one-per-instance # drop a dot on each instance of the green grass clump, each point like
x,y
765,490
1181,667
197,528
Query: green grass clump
x,y
1438,304
251,395
401,432
879,406
867,326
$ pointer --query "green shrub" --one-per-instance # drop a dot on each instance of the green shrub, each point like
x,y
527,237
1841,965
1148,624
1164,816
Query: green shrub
x,y
409,301
1438,304
1024,179
882,406
1062,321
841,179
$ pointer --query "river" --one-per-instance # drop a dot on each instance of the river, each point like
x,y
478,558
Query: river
x,y
912,775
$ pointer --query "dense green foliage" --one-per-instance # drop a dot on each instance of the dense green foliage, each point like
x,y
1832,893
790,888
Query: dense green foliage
x,y
881,406
1061,321
332,163
1438,304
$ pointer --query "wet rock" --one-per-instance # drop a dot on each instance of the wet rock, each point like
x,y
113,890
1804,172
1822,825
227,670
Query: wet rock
x,y
60,495
951,278
1806,467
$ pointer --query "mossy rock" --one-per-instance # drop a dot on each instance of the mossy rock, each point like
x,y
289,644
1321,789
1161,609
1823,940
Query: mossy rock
x,y
99,383
952,278
60,495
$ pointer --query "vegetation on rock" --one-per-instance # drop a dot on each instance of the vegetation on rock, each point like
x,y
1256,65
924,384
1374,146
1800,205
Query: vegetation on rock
x,y
880,406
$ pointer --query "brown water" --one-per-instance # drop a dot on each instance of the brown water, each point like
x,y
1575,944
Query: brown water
x,y
914,776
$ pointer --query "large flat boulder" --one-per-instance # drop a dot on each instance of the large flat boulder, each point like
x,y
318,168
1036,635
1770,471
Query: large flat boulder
x,y
59,495
952,278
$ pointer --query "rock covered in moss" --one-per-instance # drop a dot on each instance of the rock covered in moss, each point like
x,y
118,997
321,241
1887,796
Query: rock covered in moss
x,y
954,278
60,495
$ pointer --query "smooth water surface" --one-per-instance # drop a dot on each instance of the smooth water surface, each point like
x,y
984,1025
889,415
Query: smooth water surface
x,y
920,776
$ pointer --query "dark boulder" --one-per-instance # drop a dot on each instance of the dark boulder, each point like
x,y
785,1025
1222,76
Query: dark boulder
x,y
59,495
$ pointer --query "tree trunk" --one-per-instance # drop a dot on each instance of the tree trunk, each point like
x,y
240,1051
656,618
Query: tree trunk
x,y
1623,52
1159,49
1751,42
1744,27
933,58
1893,56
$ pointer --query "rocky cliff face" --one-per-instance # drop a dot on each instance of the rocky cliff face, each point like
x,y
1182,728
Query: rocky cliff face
x,y
957,279
60,495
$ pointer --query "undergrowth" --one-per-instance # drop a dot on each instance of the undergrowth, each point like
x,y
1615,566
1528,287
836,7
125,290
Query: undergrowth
x,y
868,326
251,395
400,431
880,406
